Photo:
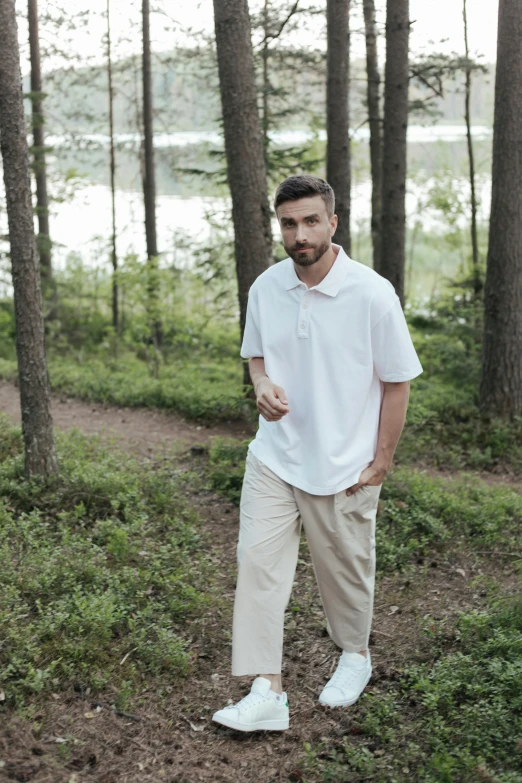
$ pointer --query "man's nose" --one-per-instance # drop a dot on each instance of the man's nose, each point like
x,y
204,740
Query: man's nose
x,y
301,233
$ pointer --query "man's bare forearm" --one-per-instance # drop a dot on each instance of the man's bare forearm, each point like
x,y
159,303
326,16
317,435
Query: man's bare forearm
x,y
256,367
393,415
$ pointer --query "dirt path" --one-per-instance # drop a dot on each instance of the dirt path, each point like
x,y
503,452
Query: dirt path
x,y
144,431
175,740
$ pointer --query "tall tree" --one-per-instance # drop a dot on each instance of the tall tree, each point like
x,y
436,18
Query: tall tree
x,y
501,381
37,427
337,114
114,256
467,115
395,126
149,180
375,123
243,147
42,199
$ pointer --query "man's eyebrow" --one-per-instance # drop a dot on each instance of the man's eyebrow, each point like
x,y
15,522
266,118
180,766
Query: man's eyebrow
x,y
307,217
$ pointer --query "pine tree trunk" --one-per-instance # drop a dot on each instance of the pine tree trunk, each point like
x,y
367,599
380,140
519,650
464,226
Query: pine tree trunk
x,y
149,182
501,382
393,236
40,453
375,123
337,114
42,200
471,158
265,120
244,148
114,256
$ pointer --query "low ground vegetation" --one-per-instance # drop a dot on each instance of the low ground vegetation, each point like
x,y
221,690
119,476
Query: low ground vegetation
x,y
99,566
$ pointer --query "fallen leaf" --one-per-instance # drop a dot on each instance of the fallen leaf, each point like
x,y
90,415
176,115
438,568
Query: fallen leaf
x,y
461,572
89,715
194,727
2,696
393,609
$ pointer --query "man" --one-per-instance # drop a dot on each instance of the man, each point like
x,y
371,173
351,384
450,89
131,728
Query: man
x,y
331,358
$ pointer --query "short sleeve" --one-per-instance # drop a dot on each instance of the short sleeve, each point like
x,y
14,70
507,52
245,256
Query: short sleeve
x,y
394,355
252,344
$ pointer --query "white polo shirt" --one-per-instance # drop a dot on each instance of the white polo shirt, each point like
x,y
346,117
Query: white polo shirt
x,y
330,347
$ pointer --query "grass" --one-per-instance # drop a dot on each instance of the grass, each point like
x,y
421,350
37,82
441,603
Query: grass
x,y
102,569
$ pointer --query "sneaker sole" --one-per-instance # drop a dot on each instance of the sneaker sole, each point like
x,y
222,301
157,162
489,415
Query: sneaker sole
x,y
264,725
350,701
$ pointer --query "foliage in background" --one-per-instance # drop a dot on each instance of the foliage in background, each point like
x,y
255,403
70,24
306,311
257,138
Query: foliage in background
x,y
444,423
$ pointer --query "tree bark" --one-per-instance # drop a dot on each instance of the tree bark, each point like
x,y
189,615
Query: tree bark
x,y
244,148
394,145
37,428
149,183
42,200
338,115
265,120
501,381
471,158
114,256
375,123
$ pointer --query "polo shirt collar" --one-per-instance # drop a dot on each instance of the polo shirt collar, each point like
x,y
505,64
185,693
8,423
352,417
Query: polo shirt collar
x,y
330,284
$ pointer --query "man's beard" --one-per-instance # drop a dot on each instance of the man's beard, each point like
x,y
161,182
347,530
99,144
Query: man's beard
x,y
308,259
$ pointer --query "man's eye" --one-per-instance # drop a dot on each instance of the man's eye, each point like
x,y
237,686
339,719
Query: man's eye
x,y
312,221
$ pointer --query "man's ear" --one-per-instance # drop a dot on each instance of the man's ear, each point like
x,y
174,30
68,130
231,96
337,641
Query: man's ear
x,y
334,220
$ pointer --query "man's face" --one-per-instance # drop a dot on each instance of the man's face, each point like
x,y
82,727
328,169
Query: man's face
x,y
306,229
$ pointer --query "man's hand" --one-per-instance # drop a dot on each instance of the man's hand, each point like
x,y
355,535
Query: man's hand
x,y
373,475
271,400
393,416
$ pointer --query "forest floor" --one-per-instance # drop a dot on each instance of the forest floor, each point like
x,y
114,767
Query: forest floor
x,y
177,742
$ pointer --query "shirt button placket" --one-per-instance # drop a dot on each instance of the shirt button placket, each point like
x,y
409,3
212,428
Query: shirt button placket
x,y
303,315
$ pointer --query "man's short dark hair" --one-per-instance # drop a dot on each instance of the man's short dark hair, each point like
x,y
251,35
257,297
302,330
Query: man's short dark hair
x,y
305,186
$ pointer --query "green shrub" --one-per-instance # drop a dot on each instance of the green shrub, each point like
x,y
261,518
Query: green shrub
x,y
101,562
457,719
227,466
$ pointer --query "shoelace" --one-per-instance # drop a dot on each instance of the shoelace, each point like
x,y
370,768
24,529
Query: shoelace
x,y
247,701
344,674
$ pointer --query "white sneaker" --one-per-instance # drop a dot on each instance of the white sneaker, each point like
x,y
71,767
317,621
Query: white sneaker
x,y
349,680
259,710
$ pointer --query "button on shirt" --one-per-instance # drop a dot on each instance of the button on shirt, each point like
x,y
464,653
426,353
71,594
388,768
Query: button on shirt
x,y
330,347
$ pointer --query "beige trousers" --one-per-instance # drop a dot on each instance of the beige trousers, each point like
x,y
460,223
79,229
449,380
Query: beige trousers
x,y
340,531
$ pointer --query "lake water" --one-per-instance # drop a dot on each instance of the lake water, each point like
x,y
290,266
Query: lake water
x,y
82,222
417,134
